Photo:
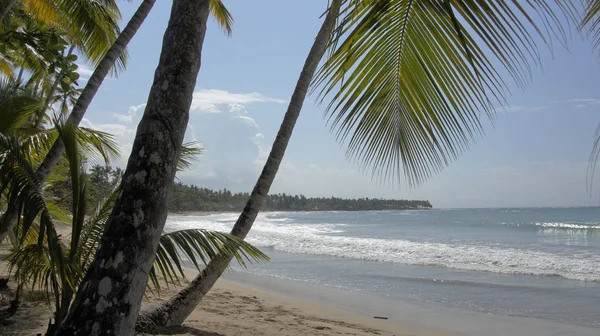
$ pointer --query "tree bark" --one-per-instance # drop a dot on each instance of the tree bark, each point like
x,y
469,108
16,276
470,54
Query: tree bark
x,y
179,307
5,7
83,102
109,297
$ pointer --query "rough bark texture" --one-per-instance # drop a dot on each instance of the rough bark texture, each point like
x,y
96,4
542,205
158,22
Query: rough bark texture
x,y
87,95
5,6
109,297
179,307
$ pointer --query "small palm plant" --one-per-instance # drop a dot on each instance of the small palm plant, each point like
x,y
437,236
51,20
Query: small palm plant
x,y
42,259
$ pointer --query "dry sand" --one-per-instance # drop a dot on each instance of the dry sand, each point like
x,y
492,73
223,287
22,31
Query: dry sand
x,y
229,309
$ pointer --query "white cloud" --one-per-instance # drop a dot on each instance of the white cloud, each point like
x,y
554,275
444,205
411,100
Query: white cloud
x,y
124,136
212,100
131,113
583,102
519,108
231,138
84,72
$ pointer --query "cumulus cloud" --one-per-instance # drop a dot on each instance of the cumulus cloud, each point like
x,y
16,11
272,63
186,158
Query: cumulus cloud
x,y
133,112
222,122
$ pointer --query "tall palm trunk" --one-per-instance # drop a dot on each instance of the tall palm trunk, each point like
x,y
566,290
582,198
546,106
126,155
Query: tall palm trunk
x,y
109,297
179,307
5,6
10,217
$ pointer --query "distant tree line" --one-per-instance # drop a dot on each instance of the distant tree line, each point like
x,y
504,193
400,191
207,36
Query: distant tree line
x,y
102,180
192,198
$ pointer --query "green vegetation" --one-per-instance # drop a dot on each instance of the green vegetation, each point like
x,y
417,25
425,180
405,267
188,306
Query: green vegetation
x,y
405,84
192,198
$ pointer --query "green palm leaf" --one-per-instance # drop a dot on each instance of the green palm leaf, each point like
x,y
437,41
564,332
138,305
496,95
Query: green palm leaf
x,y
591,21
223,17
408,79
189,154
198,247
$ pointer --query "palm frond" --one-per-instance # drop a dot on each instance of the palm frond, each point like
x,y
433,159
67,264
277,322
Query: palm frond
x,y
93,26
198,247
17,105
94,143
44,10
68,133
91,232
408,80
223,17
188,155
591,21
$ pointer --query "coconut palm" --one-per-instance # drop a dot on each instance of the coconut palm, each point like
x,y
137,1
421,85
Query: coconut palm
x,y
41,259
108,299
218,11
406,83
104,66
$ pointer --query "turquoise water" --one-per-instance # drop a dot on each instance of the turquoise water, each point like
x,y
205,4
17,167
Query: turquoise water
x,y
542,263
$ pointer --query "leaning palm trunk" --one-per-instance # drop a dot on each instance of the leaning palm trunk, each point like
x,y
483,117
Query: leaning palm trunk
x,y
10,217
109,297
178,308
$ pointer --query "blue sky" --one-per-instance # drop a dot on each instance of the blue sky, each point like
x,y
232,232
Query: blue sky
x,y
535,155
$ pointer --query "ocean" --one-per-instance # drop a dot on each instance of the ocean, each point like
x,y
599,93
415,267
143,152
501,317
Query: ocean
x,y
540,263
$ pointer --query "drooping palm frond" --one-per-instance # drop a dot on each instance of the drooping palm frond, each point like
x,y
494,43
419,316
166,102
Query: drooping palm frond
x,y
92,230
408,79
223,17
68,133
590,22
17,179
195,247
92,26
189,154
198,247
97,144
17,105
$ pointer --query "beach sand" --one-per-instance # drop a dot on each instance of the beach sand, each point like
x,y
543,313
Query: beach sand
x,y
229,309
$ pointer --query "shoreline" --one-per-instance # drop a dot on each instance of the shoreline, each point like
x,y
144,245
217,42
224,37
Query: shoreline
x,y
229,309
432,318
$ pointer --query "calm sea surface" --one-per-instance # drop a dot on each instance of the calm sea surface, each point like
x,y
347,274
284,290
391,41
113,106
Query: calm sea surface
x,y
542,262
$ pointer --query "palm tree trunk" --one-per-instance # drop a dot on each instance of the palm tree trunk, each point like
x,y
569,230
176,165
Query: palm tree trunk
x,y
109,297
83,102
179,307
5,7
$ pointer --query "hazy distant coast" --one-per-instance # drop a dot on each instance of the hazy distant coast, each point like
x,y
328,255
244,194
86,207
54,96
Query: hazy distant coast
x,y
190,198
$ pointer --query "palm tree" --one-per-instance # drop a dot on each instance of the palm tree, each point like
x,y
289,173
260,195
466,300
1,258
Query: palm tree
x,y
109,297
178,308
408,81
40,259
85,99
219,12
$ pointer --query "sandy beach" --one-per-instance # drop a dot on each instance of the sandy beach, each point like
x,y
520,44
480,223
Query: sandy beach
x,y
229,309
